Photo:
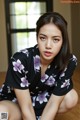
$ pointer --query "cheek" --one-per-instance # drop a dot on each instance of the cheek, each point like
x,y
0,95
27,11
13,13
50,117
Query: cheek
x,y
60,45
40,44
40,47
38,41
58,48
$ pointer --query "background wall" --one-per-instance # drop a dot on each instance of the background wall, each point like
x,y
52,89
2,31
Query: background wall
x,y
75,18
71,12
3,41
65,10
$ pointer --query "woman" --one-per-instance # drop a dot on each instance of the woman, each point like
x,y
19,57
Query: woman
x,y
38,82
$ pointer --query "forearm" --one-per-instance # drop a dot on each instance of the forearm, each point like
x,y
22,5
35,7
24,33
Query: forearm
x,y
28,114
51,107
49,112
25,104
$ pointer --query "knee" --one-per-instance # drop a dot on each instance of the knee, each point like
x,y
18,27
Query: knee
x,y
10,108
71,99
3,108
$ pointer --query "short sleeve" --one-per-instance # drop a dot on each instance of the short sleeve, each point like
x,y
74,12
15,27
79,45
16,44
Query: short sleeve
x,y
64,83
17,74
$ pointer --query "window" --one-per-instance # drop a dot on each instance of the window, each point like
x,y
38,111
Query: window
x,y
21,17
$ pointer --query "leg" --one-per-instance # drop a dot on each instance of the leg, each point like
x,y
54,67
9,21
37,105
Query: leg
x,y
69,101
13,110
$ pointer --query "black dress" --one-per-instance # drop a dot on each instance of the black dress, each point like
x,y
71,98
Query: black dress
x,y
24,72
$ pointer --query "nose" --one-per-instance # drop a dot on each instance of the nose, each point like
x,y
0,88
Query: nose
x,y
48,44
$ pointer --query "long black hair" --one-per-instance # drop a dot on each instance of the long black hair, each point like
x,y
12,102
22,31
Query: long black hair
x,y
63,56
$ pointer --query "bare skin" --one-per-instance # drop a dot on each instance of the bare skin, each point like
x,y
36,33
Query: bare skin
x,y
14,112
63,104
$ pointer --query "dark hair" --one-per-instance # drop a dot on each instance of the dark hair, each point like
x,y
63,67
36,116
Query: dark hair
x,y
61,60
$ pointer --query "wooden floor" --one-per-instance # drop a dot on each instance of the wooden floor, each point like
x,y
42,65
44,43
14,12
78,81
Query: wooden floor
x,y
74,114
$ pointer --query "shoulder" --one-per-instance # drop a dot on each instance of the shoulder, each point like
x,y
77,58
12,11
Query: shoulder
x,y
20,58
73,57
71,65
24,54
73,60
69,69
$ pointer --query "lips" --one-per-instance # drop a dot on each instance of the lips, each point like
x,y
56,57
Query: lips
x,y
47,53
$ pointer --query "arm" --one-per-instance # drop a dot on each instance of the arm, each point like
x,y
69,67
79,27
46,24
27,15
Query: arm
x,y
25,104
51,108
61,89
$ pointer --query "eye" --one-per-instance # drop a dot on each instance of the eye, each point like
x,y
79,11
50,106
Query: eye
x,y
43,38
56,40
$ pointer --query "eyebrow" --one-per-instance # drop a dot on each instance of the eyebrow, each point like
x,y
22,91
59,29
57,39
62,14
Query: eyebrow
x,y
52,36
43,34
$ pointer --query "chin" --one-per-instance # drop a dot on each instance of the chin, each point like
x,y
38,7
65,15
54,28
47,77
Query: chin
x,y
48,58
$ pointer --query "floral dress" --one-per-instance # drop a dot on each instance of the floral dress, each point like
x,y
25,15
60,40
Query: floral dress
x,y
24,72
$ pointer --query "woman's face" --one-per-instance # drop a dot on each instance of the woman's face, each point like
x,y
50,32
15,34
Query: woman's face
x,y
49,41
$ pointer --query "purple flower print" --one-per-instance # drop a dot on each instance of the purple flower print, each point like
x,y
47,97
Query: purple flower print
x,y
50,81
9,90
24,82
33,99
66,83
74,59
62,75
26,52
14,100
17,66
1,90
42,97
37,63
44,77
38,117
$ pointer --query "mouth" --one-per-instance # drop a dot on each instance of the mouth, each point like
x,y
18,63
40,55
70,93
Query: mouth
x,y
47,53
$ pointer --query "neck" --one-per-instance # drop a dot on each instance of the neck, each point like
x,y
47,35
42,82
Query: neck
x,y
44,62
44,65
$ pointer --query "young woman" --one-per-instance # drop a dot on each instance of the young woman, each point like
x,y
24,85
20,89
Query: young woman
x,y
38,83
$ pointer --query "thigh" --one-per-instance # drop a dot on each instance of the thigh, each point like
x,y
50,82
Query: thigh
x,y
70,100
13,109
